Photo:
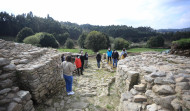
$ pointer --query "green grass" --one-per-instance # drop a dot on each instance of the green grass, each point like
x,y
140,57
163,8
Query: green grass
x,y
136,50
90,52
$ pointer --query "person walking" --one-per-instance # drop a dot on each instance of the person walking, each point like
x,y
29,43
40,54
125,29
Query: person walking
x,y
82,60
109,54
78,65
86,60
123,53
98,58
68,68
115,57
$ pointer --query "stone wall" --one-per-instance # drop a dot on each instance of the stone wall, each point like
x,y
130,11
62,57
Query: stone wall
x,y
36,68
154,81
11,97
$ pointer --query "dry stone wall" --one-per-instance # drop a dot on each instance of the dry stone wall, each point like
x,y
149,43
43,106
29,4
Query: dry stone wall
x,y
154,82
11,97
37,68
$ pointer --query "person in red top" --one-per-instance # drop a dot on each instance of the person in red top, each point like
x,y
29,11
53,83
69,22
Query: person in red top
x,y
78,65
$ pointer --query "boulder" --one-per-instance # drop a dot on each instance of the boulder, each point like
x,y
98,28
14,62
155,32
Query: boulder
x,y
163,89
4,61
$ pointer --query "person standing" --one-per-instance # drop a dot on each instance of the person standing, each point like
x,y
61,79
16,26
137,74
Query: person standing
x,y
86,60
109,54
68,68
98,58
62,57
82,60
123,53
115,57
78,65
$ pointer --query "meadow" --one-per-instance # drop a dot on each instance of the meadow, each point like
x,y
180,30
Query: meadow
x,y
90,52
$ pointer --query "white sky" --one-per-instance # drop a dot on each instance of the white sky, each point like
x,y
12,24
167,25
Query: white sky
x,y
154,13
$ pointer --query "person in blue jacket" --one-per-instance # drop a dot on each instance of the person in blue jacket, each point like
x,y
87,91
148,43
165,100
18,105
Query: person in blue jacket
x,y
109,55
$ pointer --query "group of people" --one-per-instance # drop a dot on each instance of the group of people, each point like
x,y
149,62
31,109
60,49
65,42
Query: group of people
x,y
112,55
81,61
68,67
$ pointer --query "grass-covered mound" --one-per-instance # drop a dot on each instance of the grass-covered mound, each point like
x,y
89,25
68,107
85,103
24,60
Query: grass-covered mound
x,y
181,44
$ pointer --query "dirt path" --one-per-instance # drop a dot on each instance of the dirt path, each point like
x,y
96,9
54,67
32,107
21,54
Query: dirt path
x,y
94,91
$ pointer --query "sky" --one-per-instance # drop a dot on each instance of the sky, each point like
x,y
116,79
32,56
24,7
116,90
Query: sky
x,y
158,14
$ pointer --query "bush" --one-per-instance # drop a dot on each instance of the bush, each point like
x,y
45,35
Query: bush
x,y
61,38
23,33
156,41
120,43
69,43
34,40
48,40
81,40
42,39
182,44
96,40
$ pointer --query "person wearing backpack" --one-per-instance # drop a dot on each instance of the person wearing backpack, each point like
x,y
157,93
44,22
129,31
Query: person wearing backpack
x,y
123,53
78,65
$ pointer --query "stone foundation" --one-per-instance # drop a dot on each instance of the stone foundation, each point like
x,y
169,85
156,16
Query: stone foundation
x,y
154,81
11,97
36,68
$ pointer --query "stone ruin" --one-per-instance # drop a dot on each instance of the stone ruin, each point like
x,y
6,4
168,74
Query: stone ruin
x,y
27,74
154,82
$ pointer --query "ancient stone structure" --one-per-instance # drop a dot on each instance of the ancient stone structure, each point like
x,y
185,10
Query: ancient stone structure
x,y
36,70
11,97
177,51
154,82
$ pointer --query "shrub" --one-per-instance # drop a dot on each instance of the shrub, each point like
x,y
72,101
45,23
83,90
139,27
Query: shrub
x,y
69,43
182,44
96,40
81,40
23,33
61,38
120,43
156,41
34,40
48,40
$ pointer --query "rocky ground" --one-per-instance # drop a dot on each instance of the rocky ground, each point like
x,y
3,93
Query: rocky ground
x,y
94,91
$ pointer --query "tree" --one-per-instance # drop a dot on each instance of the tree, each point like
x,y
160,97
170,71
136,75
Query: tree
x,y
155,41
121,43
81,40
61,38
69,43
96,40
23,33
48,40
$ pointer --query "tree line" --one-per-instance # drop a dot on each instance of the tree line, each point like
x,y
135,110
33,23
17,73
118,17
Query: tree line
x,y
11,25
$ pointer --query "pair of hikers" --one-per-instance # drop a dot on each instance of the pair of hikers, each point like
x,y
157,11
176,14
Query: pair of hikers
x,y
115,56
81,62
68,68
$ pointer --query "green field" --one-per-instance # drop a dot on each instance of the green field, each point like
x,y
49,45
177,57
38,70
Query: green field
x,y
90,52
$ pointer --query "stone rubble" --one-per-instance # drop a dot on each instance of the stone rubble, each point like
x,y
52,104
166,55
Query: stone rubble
x,y
154,82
